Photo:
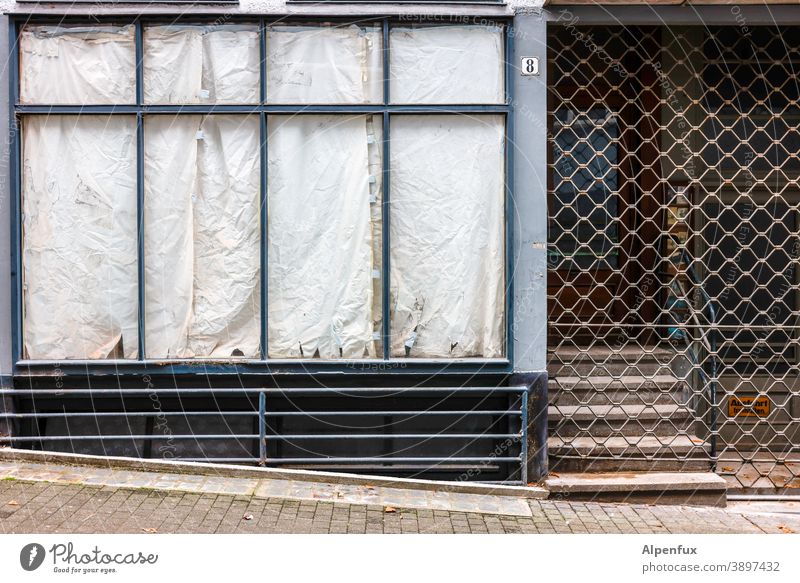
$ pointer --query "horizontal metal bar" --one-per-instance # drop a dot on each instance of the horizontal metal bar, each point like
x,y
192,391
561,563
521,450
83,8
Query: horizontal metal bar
x,y
384,413
254,109
383,460
352,436
248,414
226,460
345,363
128,414
744,326
156,436
268,391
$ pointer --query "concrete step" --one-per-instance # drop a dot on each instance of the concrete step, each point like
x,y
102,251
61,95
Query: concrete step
x,y
624,390
622,453
694,488
619,420
616,361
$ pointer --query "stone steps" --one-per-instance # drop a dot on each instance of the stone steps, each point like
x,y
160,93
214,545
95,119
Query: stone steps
x,y
694,488
610,420
621,409
610,361
625,390
674,453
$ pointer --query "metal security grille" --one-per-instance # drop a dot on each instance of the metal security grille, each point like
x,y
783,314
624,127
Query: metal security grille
x,y
674,243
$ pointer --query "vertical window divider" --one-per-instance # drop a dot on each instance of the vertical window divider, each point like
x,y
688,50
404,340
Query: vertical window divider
x,y
385,218
263,177
140,185
508,83
15,170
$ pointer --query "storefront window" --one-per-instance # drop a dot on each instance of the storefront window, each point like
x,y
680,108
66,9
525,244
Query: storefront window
x,y
234,208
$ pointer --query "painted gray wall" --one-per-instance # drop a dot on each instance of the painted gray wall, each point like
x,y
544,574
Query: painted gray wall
x,y
5,207
5,226
530,193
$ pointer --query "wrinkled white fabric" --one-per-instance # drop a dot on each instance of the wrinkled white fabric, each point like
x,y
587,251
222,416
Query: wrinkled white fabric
x,y
79,237
446,64
202,233
447,275
323,64
77,65
375,149
320,237
196,64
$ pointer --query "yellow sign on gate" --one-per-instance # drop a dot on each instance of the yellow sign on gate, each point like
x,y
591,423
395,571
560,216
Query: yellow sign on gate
x,y
749,406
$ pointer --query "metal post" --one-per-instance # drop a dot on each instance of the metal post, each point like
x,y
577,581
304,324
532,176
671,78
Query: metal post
x,y
263,175
523,430
262,429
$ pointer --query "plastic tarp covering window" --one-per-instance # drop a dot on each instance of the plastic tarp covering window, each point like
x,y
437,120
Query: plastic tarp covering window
x,y
321,197
447,236
77,65
79,237
324,64
446,64
202,236
196,64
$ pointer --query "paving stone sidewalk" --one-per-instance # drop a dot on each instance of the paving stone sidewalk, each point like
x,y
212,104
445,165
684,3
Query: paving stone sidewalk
x,y
42,507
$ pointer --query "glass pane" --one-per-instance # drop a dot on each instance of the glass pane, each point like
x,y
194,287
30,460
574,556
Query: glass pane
x,y
584,229
447,236
324,64
79,237
74,65
201,64
324,236
446,64
202,236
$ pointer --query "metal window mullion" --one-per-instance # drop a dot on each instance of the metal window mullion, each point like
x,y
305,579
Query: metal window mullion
x,y
15,169
207,109
140,186
385,216
264,212
262,67
509,196
264,234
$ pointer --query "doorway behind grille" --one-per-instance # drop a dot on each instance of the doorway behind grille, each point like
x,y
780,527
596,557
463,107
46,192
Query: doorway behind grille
x,y
673,251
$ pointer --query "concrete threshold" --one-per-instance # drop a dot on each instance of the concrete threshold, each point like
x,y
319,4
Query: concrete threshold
x,y
266,482
692,488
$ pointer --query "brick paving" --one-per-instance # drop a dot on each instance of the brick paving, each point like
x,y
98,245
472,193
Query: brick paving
x,y
42,507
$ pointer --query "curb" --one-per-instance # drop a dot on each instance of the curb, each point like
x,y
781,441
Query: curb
x,y
238,471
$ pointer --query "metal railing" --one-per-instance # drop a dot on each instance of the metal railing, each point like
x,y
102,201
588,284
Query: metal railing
x,y
474,438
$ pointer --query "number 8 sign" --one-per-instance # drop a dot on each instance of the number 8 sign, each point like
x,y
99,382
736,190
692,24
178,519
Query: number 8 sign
x,y
530,66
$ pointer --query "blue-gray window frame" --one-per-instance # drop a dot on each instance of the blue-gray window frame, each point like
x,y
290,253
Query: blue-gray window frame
x,y
264,364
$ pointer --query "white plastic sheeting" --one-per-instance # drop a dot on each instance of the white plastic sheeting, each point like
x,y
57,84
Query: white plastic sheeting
x,y
79,237
202,233
196,64
447,233
320,236
446,64
77,65
324,64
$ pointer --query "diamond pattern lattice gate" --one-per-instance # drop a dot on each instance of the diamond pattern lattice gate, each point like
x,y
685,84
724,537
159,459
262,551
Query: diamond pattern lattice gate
x,y
673,288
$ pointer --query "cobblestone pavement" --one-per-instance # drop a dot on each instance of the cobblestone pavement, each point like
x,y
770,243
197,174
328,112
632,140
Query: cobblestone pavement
x,y
42,507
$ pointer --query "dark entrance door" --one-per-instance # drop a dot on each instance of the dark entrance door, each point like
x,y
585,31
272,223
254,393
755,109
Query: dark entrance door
x,y
605,200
